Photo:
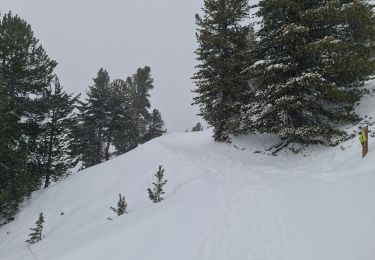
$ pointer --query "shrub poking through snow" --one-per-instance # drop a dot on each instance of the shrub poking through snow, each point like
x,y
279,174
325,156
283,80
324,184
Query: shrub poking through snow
x,y
121,206
36,235
198,127
157,191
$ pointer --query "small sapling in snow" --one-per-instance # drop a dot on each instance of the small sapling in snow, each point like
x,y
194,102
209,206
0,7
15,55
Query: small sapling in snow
x,y
157,191
121,206
36,235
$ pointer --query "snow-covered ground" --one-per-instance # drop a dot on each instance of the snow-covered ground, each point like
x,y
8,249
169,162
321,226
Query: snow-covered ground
x,y
221,203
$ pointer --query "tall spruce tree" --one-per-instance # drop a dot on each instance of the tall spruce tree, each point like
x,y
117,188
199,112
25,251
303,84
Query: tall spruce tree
x,y
83,138
313,57
96,119
25,75
123,121
140,84
155,127
224,54
57,127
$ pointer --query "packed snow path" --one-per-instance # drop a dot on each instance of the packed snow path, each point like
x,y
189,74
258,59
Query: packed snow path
x,y
221,203
246,202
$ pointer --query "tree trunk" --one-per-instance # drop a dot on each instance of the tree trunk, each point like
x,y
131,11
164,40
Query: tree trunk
x,y
107,151
49,155
99,152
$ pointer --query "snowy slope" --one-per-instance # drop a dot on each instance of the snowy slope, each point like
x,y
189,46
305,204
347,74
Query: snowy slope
x,y
222,203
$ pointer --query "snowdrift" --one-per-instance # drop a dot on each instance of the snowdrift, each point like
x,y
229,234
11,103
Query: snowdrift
x,y
222,202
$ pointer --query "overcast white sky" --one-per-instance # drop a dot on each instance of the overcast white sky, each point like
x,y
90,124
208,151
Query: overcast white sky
x,y
120,36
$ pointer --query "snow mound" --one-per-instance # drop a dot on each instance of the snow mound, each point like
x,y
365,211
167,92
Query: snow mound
x,y
222,202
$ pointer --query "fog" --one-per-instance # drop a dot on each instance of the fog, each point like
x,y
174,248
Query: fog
x,y
121,36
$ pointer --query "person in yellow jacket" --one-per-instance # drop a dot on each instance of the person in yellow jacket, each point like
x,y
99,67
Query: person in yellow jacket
x,y
362,138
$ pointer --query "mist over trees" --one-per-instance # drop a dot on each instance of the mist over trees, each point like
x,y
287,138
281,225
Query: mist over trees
x,y
45,132
115,114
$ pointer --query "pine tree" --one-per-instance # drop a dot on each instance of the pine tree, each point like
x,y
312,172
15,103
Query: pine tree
x,y
36,235
224,56
140,84
155,127
121,206
156,193
83,138
95,115
312,58
115,113
25,75
57,127
198,127
123,118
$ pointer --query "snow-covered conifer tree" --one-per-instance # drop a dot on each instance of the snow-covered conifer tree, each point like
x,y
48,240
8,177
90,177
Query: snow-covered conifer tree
x,y
223,55
155,127
36,235
121,206
312,58
198,127
157,191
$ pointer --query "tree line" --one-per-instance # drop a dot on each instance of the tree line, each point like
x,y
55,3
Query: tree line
x,y
45,131
299,76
